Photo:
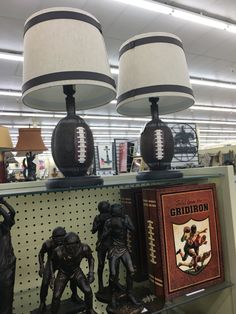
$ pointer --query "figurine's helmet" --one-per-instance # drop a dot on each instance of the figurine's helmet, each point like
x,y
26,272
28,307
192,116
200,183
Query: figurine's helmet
x,y
104,207
71,242
117,210
58,235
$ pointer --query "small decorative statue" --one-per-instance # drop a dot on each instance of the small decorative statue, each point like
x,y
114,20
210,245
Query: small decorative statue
x,y
116,227
58,235
29,171
67,259
101,246
7,259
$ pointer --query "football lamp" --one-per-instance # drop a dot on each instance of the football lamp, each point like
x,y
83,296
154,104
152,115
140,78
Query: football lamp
x,y
5,145
66,68
29,143
153,80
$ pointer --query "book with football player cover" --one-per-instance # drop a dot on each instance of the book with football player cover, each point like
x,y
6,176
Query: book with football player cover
x,y
183,239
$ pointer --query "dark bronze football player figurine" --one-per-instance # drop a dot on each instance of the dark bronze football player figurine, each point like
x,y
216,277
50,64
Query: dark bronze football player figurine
x,y
29,171
117,227
101,246
58,235
67,259
7,258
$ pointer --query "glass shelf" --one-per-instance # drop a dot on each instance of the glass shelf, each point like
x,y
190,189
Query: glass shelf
x,y
37,187
155,306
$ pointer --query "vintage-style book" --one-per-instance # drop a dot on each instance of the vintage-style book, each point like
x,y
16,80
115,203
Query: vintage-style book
x,y
132,200
183,239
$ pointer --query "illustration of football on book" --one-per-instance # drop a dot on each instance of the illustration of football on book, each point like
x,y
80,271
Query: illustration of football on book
x,y
192,245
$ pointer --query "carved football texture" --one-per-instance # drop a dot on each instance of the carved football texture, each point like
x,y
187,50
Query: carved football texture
x,y
72,146
157,145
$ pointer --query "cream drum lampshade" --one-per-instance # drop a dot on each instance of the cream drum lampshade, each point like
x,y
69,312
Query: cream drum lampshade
x,y
153,65
65,46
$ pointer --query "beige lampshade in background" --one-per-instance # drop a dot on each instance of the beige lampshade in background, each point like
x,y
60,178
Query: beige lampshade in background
x,y
5,139
5,145
153,65
65,46
30,140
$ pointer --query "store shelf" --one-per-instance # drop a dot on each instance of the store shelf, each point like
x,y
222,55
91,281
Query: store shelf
x,y
39,210
177,302
38,187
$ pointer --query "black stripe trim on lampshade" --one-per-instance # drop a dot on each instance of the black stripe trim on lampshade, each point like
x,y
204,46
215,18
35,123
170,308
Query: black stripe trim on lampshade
x,y
62,15
150,40
155,89
69,75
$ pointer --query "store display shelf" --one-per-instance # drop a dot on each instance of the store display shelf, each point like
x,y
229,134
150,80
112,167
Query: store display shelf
x,y
156,306
37,187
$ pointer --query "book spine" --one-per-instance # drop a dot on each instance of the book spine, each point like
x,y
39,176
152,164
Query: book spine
x,y
153,242
131,199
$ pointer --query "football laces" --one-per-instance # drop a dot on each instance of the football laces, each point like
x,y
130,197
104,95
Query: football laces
x,y
81,144
159,144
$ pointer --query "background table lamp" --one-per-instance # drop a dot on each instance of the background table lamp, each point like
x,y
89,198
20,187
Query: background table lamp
x,y
30,143
5,145
153,79
64,52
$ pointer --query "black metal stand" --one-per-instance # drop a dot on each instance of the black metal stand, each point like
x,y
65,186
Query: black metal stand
x,y
73,182
158,175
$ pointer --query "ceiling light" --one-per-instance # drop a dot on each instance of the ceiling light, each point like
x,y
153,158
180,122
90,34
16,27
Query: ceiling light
x,y
220,136
198,18
217,131
114,70
115,135
204,82
13,114
148,5
10,93
11,56
31,114
182,14
114,102
213,108
200,121
115,128
114,118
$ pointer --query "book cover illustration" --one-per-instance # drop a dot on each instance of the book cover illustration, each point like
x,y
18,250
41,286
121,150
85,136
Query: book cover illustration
x,y
184,239
192,245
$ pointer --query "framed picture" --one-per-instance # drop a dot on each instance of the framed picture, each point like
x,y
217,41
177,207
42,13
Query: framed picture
x,y
105,156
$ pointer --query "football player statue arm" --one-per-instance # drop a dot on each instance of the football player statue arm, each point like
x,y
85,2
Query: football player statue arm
x,y
88,255
128,223
96,224
106,230
41,254
52,262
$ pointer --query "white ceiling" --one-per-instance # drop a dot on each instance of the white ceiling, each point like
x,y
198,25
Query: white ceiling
x,y
210,53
